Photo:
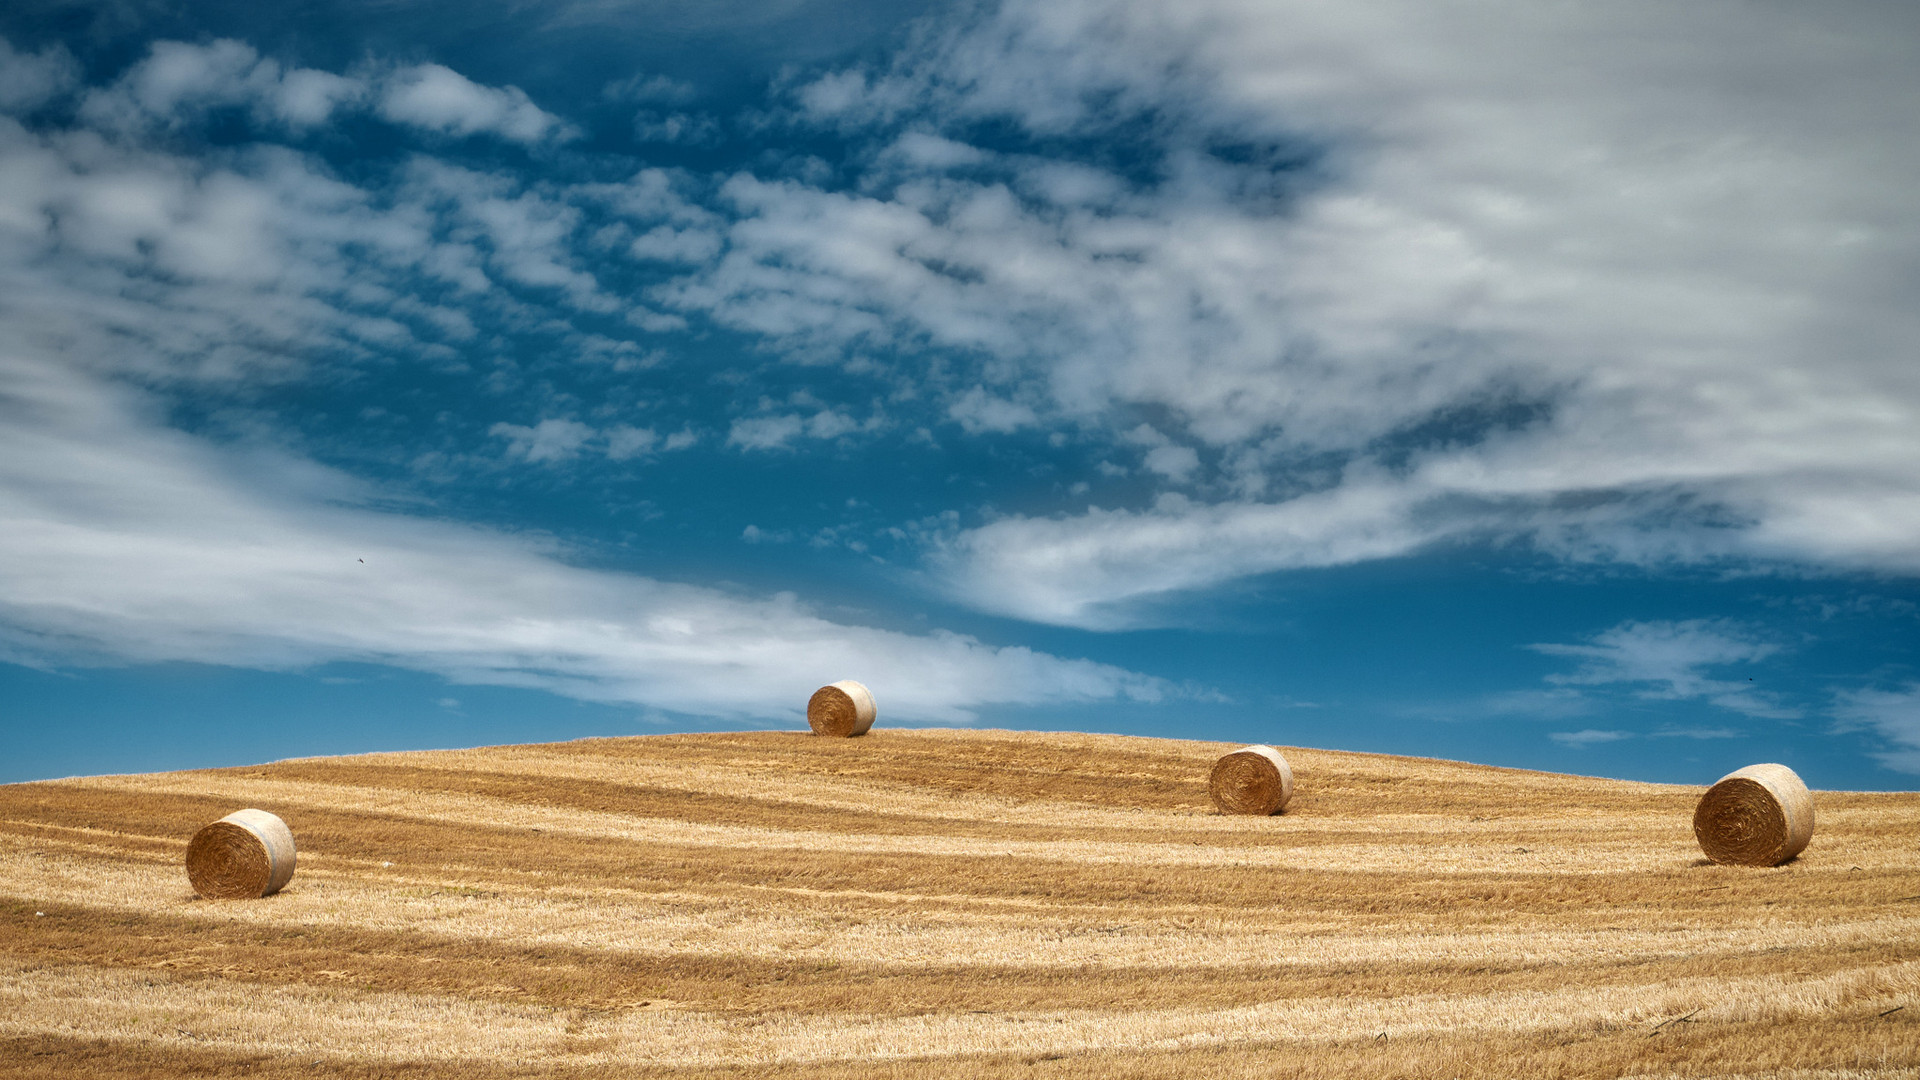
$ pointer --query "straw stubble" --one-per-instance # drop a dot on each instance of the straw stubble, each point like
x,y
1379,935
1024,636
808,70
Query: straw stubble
x,y
943,905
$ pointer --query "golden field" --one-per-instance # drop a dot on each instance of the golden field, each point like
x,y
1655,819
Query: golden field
x,y
972,904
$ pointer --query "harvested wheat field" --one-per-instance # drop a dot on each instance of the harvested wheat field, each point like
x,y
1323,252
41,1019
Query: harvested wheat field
x,y
969,904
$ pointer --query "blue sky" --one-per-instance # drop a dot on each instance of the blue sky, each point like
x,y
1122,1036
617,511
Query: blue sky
x,y
1530,385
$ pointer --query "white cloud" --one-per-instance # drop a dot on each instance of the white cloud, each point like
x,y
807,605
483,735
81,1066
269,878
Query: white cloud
x,y
765,432
559,439
177,81
251,263
1095,568
1894,715
978,411
1586,737
523,235
241,266
29,80
441,99
1631,281
659,222
831,424
552,439
779,430
1070,184
1165,457
132,543
651,195
128,541
1176,463
307,97
929,151
668,244
626,441
834,94
1671,660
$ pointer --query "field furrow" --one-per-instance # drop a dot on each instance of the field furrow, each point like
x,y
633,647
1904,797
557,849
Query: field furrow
x,y
944,903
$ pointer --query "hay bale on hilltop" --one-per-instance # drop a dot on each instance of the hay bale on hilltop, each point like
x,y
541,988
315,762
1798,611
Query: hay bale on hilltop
x,y
841,710
1251,780
1761,815
243,856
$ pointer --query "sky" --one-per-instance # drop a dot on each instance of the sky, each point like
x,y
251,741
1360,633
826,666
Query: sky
x,y
1530,384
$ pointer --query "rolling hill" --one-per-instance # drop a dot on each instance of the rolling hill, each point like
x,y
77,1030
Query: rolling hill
x,y
976,904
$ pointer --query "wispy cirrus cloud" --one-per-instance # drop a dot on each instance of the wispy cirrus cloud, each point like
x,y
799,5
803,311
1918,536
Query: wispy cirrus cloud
x,y
1406,274
1502,279
1098,569
1894,715
782,430
1598,736
134,276
1673,661
178,82
1586,737
182,552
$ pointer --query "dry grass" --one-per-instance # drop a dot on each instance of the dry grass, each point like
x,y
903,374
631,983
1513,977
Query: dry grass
x,y
945,903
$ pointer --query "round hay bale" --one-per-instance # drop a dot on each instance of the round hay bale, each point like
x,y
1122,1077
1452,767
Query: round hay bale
x,y
1761,815
841,710
1251,780
243,856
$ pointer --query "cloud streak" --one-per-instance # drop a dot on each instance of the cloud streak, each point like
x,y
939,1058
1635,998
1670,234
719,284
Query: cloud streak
x,y
438,98
1894,715
130,543
1670,660
179,82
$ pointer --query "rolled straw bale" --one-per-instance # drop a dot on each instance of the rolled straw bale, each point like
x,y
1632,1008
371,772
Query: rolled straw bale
x,y
841,710
243,856
1761,815
1251,780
